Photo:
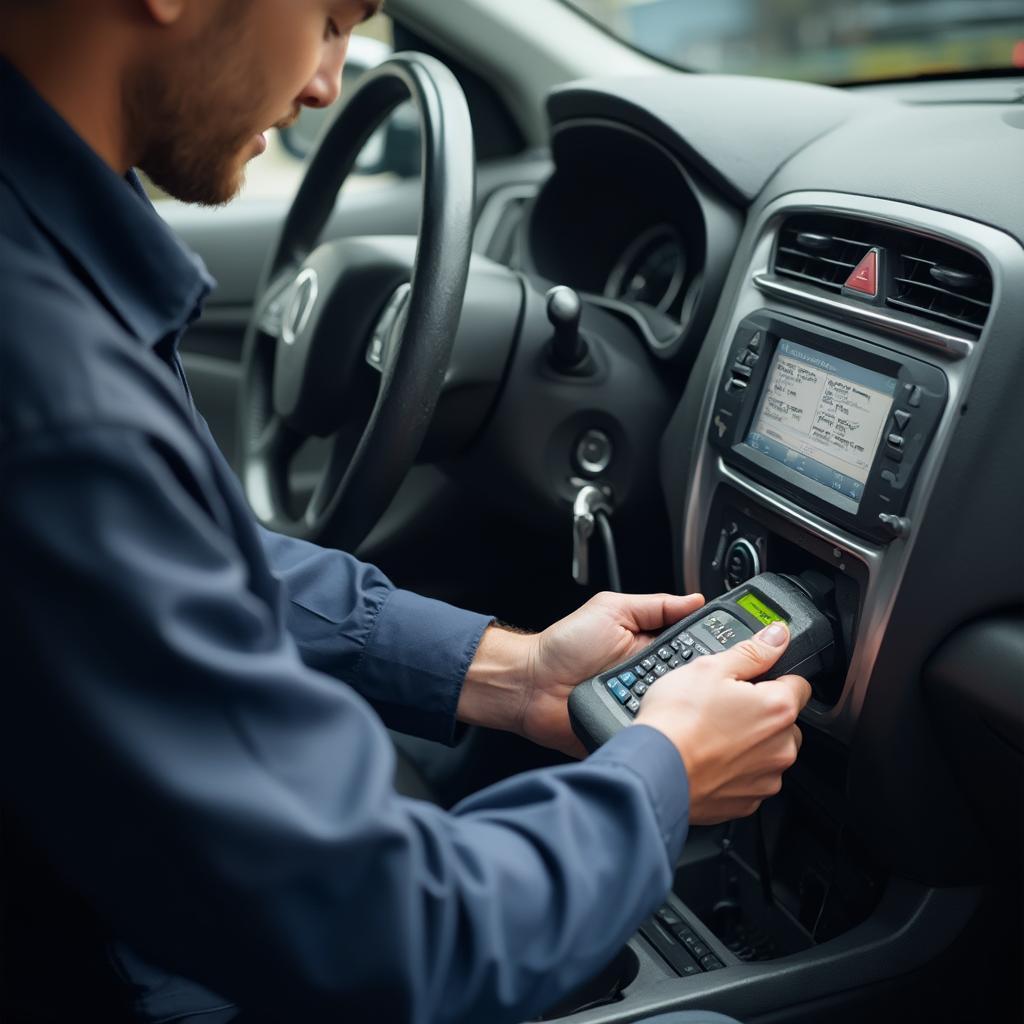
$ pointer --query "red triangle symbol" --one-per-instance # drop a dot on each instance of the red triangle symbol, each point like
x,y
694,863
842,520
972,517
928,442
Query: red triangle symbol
x,y
865,275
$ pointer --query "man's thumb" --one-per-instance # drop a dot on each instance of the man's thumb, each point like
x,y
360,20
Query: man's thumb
x,y
752,658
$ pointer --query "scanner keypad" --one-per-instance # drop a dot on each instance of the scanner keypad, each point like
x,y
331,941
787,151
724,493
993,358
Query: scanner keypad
x,y
716,631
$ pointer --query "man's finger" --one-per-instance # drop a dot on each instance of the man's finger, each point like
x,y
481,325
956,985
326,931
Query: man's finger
x,y
752,658
786,696
655,612
800,687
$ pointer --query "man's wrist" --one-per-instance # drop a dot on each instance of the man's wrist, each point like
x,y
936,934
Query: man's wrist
x,y
497,686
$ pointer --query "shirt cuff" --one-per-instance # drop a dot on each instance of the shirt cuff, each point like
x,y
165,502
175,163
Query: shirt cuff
x,y
652,756
416,659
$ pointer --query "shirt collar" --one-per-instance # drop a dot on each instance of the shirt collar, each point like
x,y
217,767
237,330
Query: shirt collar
x,y
106,223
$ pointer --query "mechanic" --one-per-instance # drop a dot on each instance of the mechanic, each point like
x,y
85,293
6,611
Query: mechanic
x,y
195,758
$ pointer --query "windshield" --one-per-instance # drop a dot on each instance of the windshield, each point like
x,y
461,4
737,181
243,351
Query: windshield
x,y
821,40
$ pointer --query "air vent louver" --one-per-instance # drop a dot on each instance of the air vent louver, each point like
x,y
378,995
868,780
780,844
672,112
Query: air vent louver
x,y
930,279
498,229
822,250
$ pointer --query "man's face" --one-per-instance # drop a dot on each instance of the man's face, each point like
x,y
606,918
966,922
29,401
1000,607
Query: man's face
x,y
229,71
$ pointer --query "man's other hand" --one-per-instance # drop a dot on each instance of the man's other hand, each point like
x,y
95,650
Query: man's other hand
x,y
522,682
735,738
608,629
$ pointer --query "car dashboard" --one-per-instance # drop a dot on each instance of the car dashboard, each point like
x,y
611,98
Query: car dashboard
x,y
832,284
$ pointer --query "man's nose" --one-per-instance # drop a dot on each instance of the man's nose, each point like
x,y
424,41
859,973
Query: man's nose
x,y
325,86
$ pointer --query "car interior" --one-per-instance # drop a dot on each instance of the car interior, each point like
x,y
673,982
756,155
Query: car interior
x,y
787,338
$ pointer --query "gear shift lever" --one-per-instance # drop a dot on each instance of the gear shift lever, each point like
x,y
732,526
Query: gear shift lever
x,y
568,352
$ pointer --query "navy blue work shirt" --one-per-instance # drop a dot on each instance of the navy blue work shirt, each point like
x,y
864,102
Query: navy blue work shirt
x,y
192,707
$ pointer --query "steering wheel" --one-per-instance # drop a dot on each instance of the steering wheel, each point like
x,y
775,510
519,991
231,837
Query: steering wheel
x,y
350,339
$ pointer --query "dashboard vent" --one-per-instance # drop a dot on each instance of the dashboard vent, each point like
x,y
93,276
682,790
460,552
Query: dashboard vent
x,y
498,228
933,280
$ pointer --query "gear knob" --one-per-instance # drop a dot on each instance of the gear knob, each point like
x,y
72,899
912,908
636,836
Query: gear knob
x,y
568,348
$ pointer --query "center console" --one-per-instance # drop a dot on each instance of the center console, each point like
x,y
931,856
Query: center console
x,y
825,416
809,443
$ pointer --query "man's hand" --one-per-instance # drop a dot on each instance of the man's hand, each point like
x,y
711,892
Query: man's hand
x,y
608,629
522,683
735,738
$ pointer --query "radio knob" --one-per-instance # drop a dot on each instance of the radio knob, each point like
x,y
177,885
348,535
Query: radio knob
x,y
741,562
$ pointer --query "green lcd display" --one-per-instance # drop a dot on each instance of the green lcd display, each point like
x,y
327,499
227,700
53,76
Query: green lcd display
x,y
759,609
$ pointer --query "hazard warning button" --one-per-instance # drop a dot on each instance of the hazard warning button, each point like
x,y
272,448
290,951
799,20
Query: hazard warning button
x,y
864,278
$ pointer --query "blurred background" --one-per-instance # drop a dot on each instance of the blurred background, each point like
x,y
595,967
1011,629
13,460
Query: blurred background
x,y
833,41
829,41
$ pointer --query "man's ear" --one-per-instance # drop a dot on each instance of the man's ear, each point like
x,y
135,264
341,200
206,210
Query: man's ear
x,y
165,12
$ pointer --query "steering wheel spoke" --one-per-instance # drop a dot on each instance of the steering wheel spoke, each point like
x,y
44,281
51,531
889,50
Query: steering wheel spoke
x,y
269,315
267,469
387,332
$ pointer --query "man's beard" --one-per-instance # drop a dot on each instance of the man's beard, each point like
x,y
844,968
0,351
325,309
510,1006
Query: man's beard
x,y
191,119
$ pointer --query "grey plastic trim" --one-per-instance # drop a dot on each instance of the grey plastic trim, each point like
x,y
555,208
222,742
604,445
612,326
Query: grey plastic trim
x,y
886,564
493,212
910,927
954,345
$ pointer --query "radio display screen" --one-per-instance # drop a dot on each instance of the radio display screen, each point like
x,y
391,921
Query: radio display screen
x,y
822,417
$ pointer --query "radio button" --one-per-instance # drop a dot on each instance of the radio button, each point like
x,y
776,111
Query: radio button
x,y
893,454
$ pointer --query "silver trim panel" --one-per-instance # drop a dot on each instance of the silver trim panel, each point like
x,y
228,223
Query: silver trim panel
x,y
885,564
955,345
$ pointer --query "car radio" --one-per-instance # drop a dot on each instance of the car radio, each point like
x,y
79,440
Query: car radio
x,y
836,423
